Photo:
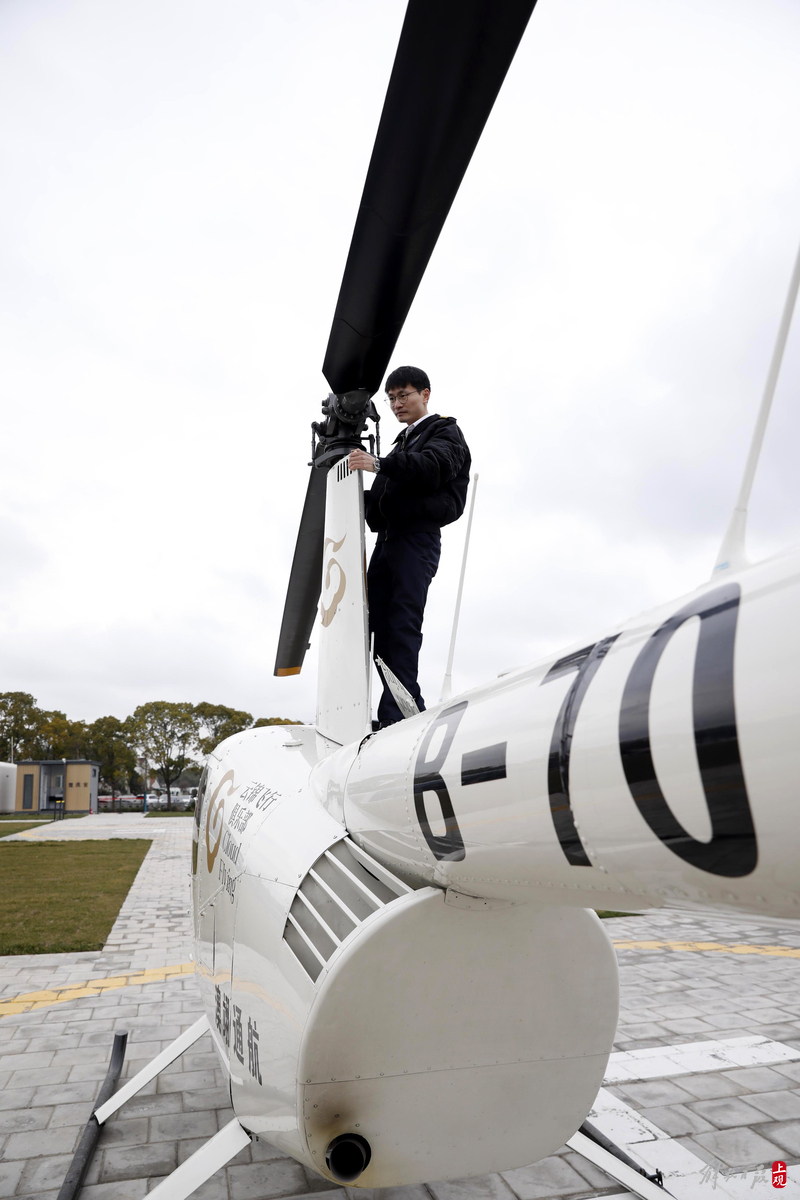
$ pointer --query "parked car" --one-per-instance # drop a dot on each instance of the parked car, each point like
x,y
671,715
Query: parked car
x,y
118,803
180,802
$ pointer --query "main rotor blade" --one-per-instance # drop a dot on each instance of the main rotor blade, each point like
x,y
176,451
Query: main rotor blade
x,y
305,581
451,62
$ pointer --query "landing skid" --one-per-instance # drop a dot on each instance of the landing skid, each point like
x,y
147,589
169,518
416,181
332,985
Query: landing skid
x,y
204,1163
613,1166
162,1060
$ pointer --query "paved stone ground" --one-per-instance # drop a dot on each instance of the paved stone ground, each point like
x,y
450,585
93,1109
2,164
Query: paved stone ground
x,y
53,1055
730,1119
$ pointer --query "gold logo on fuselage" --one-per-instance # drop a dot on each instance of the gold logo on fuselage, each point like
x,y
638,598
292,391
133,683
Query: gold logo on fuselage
x,y
216,811
329,613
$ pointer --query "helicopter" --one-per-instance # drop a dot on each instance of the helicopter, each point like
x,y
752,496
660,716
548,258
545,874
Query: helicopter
x,y
395,938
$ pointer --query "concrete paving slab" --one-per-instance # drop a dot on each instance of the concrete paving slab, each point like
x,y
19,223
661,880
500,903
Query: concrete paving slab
x,y
785,1134
551,1176
487,1187
739,1147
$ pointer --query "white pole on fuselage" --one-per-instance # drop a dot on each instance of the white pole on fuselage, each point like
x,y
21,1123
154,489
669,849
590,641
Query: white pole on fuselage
x,y
731,553
447,684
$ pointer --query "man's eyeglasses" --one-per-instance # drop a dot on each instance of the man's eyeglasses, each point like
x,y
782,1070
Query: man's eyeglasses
x,y
390,400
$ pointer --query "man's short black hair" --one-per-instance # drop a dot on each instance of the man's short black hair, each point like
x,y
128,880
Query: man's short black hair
x,y
411,377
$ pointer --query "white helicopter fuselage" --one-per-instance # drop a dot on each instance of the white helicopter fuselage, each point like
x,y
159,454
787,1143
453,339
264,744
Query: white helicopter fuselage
x,y
658,765
394,935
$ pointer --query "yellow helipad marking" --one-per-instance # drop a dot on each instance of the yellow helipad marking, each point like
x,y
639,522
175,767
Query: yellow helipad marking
x,y
90,987
719,947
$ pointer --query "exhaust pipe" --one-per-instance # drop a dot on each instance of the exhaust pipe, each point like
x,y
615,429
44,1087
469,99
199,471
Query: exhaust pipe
x,y
347,1157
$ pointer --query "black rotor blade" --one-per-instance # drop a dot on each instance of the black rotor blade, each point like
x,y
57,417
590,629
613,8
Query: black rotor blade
x,y
450,64
305,581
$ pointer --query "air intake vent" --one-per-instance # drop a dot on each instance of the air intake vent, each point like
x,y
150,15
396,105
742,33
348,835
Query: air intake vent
x,y
344,887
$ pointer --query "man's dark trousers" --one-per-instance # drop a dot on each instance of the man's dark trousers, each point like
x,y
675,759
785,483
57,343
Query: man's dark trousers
x,y
400,571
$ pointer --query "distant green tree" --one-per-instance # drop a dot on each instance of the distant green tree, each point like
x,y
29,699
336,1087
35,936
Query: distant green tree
x,y
58,737
217,722
262,721
166,733
109,743
20,719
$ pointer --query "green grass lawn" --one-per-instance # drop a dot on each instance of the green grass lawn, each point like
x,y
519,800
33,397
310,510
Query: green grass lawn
x,y
64,896
170,812
11,827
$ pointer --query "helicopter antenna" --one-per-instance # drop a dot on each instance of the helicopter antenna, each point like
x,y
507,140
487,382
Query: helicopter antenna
x,y
447,683
732,552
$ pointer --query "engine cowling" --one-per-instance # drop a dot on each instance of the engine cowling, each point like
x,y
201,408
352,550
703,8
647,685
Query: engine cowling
x,y
385,1035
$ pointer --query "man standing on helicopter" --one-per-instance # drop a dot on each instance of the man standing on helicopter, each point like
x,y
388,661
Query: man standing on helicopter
x,y
421,485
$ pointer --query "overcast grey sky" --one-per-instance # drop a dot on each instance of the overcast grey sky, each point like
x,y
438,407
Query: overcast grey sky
x,y
180,182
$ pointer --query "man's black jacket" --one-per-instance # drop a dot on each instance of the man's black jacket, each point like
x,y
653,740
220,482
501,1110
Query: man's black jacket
x,y
424,485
